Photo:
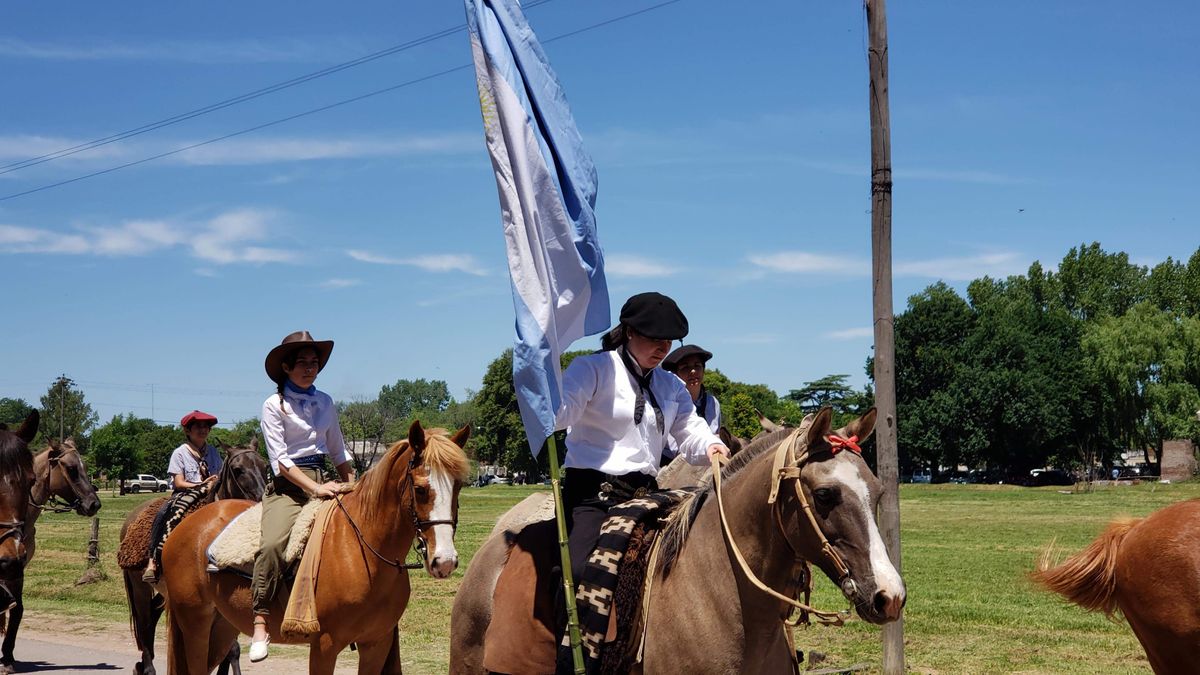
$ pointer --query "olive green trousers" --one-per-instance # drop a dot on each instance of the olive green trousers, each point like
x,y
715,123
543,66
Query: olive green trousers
x,y
281,505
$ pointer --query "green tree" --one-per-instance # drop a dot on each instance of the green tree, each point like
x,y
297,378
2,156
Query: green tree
x,y
13,411
364,426
240,435
400,400
1095,284
115,447
156,445
64,409
740,417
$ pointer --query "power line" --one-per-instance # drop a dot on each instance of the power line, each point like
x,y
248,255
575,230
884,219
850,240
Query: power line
x,y
242,98
314,111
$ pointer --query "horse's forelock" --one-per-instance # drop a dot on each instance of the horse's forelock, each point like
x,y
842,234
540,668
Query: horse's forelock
x,y
442,454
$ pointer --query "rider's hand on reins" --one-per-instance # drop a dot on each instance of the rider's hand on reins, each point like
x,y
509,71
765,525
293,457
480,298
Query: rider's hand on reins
x,y
718,449
326,490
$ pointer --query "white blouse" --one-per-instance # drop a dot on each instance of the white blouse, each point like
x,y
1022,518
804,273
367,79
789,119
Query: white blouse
x,y
597,409
306,426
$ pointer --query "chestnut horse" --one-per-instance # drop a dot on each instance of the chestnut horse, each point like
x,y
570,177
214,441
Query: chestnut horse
x,y
363,588
704,615
16,483
60,484
242,476
1149,569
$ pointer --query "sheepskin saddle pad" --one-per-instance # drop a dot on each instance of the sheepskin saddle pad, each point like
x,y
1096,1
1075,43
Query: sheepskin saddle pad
x,y
235,547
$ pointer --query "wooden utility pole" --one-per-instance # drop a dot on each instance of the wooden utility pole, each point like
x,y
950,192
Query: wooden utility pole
x,y
885,353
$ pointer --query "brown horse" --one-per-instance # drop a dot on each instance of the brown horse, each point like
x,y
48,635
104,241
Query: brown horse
x,y
60,484
242,476
700,594
410,494
1149,570
16,484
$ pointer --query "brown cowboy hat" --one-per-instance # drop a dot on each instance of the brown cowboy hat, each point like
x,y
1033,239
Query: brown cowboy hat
x,y
294,341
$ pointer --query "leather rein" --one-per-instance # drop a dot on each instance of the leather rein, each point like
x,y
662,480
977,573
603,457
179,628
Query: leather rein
x,y
420,545
790,457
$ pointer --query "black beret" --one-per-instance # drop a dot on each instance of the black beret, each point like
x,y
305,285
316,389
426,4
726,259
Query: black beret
x,y
655,316
671,363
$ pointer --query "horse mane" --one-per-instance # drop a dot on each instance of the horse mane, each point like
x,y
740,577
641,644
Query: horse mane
x,y
15,456
440,453
675,534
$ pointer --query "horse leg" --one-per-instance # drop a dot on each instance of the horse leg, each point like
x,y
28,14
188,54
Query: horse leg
x,y
232,663
380,657
187,641
221,638
145,609
7,663
322,658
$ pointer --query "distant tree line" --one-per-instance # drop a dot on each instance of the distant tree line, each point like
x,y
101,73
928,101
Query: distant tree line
x,y
1060,367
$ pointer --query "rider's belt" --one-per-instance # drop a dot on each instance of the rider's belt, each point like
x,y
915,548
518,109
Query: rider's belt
x,y
609,487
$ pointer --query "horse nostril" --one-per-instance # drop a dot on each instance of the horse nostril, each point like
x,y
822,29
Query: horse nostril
x,y
880,602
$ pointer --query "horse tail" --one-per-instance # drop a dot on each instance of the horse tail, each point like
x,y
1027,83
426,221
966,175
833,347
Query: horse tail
x,y
1088,578
130,600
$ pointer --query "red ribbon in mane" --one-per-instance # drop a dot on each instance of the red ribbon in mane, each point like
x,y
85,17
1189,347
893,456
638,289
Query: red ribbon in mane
x,y
840,444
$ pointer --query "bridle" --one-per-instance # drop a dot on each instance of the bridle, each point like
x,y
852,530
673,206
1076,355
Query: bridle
x,y
420,544
52,502
790,457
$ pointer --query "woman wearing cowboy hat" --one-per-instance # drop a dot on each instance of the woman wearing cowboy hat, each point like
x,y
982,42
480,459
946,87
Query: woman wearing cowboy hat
x,y
300,426
689,363
193,469
617,408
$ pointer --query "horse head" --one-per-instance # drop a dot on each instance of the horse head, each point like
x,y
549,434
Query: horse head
x,y
243,474
16,481
438,468
844,495
65,478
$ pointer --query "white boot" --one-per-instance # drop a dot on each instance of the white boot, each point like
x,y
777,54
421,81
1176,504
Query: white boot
x,y
258,649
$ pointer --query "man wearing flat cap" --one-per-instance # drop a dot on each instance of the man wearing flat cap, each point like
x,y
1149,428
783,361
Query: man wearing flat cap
x,y
689,363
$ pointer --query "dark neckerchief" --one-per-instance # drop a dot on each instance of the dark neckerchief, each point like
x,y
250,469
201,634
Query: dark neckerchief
x,y
200,457
702,403
643,391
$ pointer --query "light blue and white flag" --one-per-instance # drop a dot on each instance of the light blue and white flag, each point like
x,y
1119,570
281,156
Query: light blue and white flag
x,y
547,186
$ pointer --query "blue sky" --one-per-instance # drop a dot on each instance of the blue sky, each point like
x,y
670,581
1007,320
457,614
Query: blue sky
x,y
731,141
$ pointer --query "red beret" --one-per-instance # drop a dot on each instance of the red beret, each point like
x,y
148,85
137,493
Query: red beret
x,y
197,416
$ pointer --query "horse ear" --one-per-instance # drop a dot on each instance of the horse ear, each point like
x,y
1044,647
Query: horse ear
x,y
862,427
29,427
55,445
819,429
221,444
461,436
416,436
254,443
766,424
732,442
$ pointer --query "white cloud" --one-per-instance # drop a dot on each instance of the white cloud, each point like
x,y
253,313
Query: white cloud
x,y
803,262
339,283
443,262
851,333
619,265
965,268
951,268
14,149
230,237
273,150
289,50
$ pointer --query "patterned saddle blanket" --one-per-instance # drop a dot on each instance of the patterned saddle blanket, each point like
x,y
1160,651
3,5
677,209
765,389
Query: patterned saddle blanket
x,y
606,575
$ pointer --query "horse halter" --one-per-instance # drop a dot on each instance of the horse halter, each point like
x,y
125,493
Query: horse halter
x,y
790,459
420,545
52,502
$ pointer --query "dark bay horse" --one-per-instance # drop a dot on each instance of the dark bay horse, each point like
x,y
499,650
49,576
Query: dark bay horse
x,y
1149,570
704,614
410,494
16,484
60,484
242,476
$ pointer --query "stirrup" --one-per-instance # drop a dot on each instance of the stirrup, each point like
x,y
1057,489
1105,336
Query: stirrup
x,y
150,576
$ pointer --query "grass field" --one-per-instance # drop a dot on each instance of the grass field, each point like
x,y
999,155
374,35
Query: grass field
x,y
966,551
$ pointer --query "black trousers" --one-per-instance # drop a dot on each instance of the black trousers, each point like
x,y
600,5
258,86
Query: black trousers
x,y
587,496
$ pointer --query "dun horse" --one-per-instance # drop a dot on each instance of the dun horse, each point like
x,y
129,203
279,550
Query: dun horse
x,y
704,615
411,494
1149,570
60,484
241,477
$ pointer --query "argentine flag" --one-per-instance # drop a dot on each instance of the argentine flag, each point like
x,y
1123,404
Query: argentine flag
x,y
547,186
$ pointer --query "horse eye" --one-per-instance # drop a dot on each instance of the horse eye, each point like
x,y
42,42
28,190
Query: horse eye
x,y
422,490
825,496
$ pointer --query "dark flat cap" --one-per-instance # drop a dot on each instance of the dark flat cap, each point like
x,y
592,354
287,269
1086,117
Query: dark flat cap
x,y
671,363
655,316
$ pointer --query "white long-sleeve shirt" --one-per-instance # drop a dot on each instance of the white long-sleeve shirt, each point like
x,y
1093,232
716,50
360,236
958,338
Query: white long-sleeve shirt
x,y
307,426
597,409
712,415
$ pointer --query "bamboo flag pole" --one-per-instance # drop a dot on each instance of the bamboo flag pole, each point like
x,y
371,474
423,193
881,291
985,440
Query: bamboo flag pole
x,y
881,258
565,559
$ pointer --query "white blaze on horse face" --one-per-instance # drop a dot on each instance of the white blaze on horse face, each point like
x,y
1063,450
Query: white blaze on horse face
x,y
887,579
443,560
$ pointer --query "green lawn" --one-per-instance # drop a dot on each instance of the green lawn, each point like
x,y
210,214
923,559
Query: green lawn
x,y
966,551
